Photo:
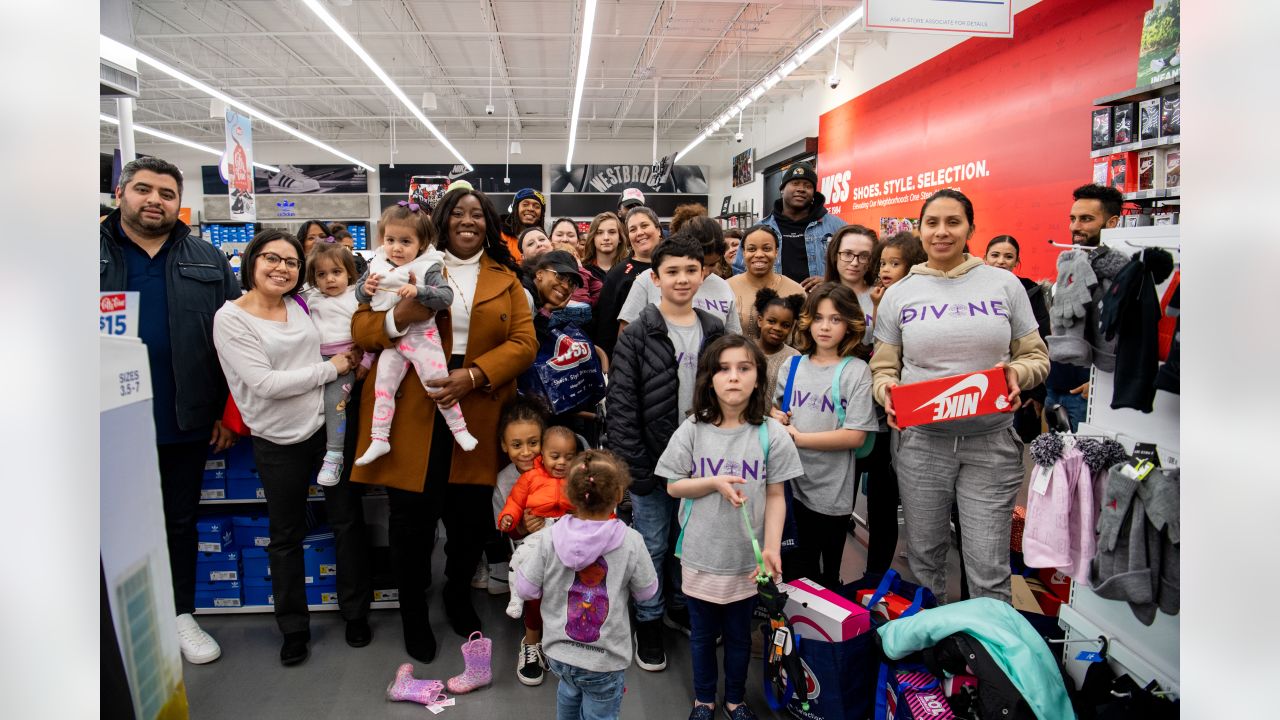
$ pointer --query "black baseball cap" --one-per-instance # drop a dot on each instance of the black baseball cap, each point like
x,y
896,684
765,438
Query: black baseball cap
x,y
799,171
561,263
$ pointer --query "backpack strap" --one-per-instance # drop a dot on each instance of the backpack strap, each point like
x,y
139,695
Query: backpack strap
x,y
791,384
302,303
835,391
764,442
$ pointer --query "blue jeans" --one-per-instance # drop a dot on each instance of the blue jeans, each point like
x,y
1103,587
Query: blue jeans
x,y
654,517
709,621
1075,405
586,694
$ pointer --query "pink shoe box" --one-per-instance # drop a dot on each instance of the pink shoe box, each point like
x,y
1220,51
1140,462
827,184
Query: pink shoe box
x,y
821,614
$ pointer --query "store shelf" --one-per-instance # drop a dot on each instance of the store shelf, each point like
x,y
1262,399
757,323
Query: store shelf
x,y
1146,92
260,609
1148,235
1140,145
252,501
1165,194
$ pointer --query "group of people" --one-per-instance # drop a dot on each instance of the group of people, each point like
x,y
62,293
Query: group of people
x,y
767,391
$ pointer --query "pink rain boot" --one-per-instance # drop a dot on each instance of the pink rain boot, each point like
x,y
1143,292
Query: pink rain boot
x,y
407,688
477,655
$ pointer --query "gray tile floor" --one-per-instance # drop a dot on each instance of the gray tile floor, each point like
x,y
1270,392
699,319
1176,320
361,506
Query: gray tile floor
x,y
341,682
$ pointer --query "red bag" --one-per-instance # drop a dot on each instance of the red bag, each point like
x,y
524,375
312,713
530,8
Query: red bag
x,y
231,419
1168,325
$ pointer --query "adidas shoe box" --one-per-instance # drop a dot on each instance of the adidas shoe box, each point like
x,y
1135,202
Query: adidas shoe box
x,y
320,559
214,488
322,595
250,531
245,488
214,535
240,462
254,565
220,594
257,591
219,566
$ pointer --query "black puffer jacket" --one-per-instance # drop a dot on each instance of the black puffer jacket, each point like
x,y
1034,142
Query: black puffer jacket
x,y
642,404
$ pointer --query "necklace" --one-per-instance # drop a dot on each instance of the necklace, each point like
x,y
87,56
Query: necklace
x,y
461,295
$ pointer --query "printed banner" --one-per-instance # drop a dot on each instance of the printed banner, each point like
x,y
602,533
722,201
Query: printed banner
x,y
1158,55
238,167
987,18
485,178
296,180
661,178
743,169
1014,134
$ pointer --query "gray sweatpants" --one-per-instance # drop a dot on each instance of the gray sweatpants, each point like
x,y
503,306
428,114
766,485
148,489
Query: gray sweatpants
x,y
980,473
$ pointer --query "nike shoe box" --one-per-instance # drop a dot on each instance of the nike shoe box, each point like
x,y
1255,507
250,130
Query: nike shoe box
x,y
823,615
219,566
214,535
220,594
251,531
951,398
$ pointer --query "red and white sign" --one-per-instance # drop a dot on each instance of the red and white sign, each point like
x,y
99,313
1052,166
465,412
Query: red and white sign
x,y
988,18
1005,121
951,398
118,314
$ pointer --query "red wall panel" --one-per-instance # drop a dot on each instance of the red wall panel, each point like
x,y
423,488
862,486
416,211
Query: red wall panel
x,y
1017,109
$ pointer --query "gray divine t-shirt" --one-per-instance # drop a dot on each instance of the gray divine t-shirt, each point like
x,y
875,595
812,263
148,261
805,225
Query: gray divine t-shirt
x,y
827,485
584,625
714,295
949,326
868,313
713,538
687,340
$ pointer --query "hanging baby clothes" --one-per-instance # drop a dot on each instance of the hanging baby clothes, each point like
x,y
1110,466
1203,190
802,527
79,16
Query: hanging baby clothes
x,y
1061,512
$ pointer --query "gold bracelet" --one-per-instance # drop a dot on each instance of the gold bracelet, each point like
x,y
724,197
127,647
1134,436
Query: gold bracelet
x,y
471,374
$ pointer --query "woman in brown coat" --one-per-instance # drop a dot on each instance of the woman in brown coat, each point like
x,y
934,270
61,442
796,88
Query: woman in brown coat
x,y
488,335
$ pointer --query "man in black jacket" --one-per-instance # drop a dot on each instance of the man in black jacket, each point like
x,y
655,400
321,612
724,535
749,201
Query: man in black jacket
x,y
181,281
650,391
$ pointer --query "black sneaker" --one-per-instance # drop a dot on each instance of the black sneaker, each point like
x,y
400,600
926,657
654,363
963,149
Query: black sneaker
x,y
650,654
531,664
678,619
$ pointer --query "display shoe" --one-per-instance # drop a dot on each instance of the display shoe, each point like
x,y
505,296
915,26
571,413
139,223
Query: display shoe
x,y
291,179
407,688
359,633
480,580
459,610
196,644
294,651
419,641
477,656
531,664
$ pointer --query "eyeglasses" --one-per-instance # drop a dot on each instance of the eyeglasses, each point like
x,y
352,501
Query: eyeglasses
x,y
561,279
272,260
848,256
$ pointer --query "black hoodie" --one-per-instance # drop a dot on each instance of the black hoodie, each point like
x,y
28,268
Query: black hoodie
x,y
794,254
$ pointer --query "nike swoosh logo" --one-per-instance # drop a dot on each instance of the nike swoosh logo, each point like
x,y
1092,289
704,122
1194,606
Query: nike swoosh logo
x,y
457,171
978,381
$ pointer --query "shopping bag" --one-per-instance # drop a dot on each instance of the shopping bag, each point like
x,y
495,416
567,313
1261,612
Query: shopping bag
x,y
916,597
231,419
908,691
566,372
839,676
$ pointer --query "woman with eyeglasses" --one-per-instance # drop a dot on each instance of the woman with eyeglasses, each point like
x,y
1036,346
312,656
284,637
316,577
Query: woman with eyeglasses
x,y
759,249
849,263
270,353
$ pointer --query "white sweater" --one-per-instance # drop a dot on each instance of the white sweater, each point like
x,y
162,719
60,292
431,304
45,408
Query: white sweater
x,y
274,371
332,315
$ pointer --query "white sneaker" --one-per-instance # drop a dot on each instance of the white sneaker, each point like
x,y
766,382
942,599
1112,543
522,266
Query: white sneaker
x,y
480,580
198,647
291,179
499,579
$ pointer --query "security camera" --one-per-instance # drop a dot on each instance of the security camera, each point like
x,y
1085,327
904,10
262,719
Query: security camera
x,y
737,137
833,81
488,109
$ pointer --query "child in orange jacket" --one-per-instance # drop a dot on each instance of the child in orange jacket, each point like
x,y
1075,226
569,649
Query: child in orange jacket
x,y
540,491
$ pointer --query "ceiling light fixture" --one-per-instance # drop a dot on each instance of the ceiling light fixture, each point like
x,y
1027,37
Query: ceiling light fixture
x,y
108,46
584,51
790,64
180,141
315,7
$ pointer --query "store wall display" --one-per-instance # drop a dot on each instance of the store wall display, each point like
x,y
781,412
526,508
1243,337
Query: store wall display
x,y
294,180
660,178
1173,169
1159,57
485,178
743,169
1148,119
293,207
883,152
1122,173
1171,114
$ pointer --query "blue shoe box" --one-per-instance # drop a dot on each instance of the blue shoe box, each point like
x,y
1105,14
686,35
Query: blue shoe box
x,y
245,488
214,488
240,462
221,594
322,595
220,566
320,559
214,535
251,531
257,591
254,565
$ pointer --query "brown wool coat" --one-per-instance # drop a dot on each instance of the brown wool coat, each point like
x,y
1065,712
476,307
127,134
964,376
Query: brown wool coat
x,y
501,342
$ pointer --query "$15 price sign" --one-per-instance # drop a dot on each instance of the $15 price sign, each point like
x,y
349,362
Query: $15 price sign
x,y
118,314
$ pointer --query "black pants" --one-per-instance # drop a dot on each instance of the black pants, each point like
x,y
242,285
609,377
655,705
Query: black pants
x,y
819,546
181,472
286,470
467,511
882,506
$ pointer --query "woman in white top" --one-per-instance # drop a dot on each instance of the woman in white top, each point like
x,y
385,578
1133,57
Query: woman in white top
x,y
759,248
270,353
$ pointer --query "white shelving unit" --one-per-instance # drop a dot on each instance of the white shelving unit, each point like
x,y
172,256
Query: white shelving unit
x,y
260,609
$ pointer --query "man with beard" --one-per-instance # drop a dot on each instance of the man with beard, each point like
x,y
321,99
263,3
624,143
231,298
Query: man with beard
x,y
802,221
1095,207
181,281
528,209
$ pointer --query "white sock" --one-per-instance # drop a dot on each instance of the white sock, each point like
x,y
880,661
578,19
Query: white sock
x,y
466,440
377,448
331,470
515,608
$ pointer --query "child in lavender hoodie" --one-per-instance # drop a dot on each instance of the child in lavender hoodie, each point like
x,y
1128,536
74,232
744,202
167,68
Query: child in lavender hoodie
x,y
583,568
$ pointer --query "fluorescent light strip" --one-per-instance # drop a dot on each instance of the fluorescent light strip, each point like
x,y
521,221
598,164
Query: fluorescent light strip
x,y
180,141
237,104
315,7
773,77
588,21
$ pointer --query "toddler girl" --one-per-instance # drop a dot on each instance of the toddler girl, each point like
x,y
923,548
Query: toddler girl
x,y
824,398
538,498
775,317
584,569
406,265
726,454
893,259
331,300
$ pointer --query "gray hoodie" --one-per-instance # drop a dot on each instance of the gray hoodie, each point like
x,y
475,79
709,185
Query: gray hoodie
x,y
582,570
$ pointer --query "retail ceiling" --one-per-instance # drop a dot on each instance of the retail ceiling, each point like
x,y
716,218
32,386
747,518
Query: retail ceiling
x,y
278,56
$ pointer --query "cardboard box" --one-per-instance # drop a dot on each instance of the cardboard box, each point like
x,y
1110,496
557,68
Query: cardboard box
x,y
1149,170
258,595
1173,169
218,594
1149,119
1124,123
251,531
955,397
1056,583
214,535
890,607
214,488
1171,115
1122,173
1023,598
1100,167
1101,128
240,461
320,561
322,595
220,566
244,488
821,614
254,565
1048,602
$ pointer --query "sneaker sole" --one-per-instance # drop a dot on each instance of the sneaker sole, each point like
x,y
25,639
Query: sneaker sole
x,y
202,660
531,683
651,667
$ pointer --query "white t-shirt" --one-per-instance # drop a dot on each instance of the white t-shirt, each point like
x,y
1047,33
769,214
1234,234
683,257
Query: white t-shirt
x,y
332,315
714,295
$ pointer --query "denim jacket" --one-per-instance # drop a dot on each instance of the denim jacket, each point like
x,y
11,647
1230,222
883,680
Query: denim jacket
x,y
200,281
822,225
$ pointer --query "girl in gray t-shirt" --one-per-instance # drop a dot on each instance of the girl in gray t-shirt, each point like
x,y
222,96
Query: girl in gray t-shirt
x,y
727,455
823,396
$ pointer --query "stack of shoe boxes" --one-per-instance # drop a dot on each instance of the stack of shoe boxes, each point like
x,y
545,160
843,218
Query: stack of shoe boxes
x,y
217,564
320,562
242,473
